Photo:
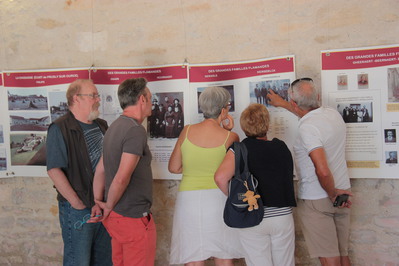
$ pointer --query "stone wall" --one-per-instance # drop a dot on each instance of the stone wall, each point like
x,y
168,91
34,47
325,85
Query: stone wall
x,y
30,232
47,34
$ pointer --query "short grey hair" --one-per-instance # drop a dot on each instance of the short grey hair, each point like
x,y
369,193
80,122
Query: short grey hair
x,y
130,90
306,98
212,100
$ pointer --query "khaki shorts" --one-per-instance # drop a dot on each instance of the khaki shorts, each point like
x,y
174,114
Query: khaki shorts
x,y
325,227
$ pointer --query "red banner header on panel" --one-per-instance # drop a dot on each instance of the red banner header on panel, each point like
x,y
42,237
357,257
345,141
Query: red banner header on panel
x,y
47,78
213,73
117,76
336,60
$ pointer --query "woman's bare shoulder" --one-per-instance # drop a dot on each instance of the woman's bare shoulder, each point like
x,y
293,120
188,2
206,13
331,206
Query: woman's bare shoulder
x,y
233,137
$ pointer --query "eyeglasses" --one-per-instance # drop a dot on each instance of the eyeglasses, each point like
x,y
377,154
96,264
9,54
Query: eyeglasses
x,y
297,80
92,95
79,224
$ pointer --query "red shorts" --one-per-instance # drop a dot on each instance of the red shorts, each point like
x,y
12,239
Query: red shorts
x,y
133,239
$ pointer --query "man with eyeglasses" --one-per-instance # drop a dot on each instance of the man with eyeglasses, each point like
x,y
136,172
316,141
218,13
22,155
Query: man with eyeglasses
x,y
319,152
74,146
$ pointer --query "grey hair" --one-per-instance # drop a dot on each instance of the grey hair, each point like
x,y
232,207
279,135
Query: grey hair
x,y
212,100
130,90
306,97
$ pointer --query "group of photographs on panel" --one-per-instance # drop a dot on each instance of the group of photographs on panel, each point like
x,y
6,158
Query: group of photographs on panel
x,y
33,109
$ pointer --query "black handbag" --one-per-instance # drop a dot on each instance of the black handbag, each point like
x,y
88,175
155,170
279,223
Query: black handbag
x,y
236,211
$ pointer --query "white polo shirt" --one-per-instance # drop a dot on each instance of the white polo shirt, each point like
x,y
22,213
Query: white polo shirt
x,y
320,128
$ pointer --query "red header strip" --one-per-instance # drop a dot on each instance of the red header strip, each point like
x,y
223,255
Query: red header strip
x,y
213,73
116,76
46,78
356,59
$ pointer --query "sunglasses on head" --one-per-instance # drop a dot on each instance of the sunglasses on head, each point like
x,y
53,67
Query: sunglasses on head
x,y
297,80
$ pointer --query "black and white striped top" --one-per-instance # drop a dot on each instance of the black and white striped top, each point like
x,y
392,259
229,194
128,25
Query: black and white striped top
x,y
276,211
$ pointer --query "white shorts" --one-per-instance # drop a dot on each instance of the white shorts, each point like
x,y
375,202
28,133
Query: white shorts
x,y
272,242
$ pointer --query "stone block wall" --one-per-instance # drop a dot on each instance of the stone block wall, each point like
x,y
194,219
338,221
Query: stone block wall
x,y
30,232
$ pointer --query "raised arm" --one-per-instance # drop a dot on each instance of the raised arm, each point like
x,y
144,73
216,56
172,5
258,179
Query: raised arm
x,y
277,101
228,123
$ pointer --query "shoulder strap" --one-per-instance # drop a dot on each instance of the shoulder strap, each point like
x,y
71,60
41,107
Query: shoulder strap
x,y
240,153
237,159
228,135
252,182
244,154
187,130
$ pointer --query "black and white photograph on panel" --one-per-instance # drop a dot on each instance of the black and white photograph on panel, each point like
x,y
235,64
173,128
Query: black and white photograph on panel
x,y
27,99
58,104
167,115
258,90
28,149
29,121
356,112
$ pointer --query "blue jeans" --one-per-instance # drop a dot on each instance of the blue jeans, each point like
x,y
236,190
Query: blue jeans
x,y
90,244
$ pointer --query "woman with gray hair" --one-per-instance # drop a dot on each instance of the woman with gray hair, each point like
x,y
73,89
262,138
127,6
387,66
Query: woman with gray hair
x,y
198,231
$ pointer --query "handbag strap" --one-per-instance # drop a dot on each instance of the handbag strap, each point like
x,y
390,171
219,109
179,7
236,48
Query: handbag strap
x,y
244,154
237,159
240,152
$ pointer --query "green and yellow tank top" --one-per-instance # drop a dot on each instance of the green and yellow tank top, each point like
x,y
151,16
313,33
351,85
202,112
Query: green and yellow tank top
x,y
200,164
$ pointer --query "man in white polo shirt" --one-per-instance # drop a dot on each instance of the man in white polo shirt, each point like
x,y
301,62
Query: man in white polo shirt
x,y
319,152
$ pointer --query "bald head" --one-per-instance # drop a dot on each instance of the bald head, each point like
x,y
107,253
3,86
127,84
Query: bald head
x,y
75,88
